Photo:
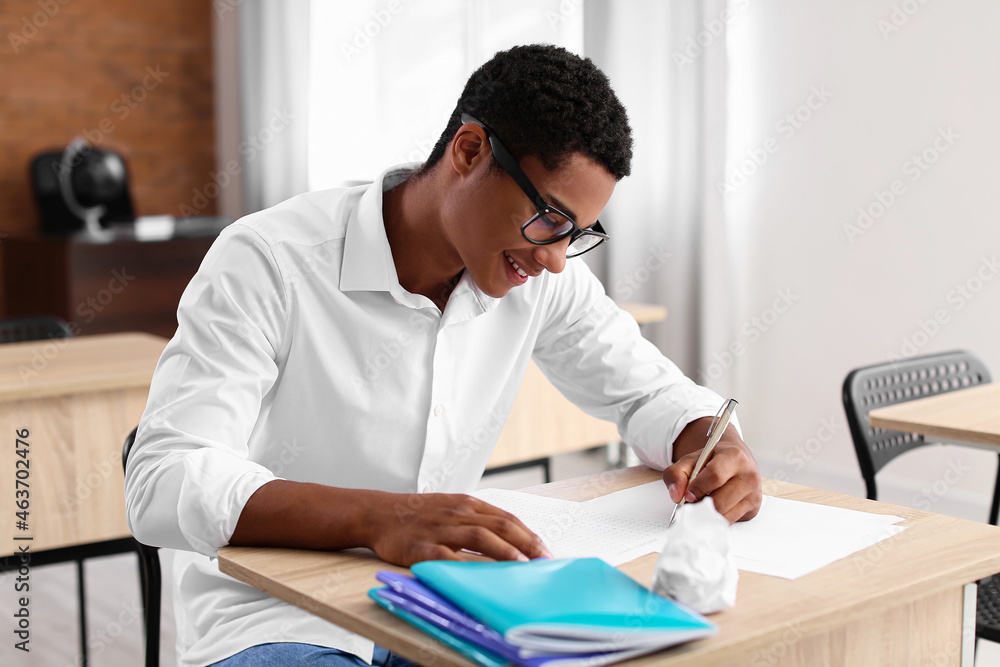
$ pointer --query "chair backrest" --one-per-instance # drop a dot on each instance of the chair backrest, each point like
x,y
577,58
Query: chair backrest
x,y
896,382
129,441
18,330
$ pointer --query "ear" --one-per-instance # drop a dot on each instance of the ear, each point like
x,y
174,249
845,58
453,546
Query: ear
x,y
469,149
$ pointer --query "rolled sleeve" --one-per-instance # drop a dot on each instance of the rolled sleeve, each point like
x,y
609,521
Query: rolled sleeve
x,y
592,351
189,474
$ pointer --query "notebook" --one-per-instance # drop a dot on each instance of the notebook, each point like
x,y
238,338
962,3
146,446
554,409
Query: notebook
x,y
407,598
544,612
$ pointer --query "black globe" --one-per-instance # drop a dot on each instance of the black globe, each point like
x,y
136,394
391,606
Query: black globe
x,y
98,177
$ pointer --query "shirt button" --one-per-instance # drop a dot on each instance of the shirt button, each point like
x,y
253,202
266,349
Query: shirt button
x,y
428,489
438,410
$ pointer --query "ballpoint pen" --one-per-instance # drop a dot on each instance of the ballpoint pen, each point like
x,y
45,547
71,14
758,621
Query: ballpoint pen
x,y
715,431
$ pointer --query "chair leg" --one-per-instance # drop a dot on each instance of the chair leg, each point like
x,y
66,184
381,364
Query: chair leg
x,y
871,488
151,585
547,468
995,507
82,602
142,588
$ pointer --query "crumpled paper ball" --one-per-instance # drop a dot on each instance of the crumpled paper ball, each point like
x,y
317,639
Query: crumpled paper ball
x,y
697,566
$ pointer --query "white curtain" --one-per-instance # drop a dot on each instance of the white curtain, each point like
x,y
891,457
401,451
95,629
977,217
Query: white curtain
x,y
274,89
667,62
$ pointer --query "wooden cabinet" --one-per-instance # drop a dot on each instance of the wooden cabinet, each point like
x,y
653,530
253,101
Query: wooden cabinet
x,y
121,285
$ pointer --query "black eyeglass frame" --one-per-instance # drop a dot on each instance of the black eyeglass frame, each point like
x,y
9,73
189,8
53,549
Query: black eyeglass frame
x,y
513,169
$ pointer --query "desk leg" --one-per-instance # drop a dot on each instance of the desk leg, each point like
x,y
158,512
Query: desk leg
x,y
970,593
620,455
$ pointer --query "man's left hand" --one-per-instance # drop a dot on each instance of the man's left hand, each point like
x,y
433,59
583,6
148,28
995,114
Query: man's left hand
x,y
730,475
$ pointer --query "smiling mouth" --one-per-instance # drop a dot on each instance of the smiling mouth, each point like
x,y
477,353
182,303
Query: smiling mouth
x,y
517,268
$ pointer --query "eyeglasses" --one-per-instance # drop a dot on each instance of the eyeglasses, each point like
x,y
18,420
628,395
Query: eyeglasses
x,y
549,225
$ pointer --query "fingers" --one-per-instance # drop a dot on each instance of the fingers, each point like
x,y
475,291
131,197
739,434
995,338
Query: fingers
x,y
731,477
677,475
443,525
720,468
484,541
738,500
511,530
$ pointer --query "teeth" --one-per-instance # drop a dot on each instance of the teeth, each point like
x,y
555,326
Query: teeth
x,y
517,268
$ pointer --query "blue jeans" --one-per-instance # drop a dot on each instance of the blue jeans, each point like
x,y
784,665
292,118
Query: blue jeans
x,y
288,654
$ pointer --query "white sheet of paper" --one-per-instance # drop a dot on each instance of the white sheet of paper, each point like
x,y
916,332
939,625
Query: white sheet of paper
x,y
787,538
571,530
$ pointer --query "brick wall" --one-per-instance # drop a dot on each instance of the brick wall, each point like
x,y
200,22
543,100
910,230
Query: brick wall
x,y
134,77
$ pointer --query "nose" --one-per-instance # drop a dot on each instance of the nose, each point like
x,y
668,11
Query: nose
x,y
552,256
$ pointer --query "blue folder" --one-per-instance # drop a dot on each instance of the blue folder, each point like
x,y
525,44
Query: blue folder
x,y
466,648
567,613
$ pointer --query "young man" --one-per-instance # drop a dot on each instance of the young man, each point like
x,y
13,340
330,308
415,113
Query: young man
x,y
344,362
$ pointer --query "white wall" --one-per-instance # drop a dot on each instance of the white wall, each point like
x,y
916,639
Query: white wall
x,y
857,302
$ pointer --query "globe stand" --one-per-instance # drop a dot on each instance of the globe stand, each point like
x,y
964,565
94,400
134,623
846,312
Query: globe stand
x,y
91,215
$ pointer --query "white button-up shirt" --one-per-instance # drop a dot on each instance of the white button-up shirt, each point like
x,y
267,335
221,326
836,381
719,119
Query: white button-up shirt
x,y
299,356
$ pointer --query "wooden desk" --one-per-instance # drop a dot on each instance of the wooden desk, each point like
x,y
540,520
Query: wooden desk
x,y
967,417
899,602
79,398
544,423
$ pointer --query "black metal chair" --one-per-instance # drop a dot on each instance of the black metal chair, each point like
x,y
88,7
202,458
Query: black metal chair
x,y
880,385
22,329
151,582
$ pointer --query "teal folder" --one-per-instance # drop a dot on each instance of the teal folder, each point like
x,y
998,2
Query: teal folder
x,y
580,605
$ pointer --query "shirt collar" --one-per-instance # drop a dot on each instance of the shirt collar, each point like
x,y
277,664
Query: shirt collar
x,y
368,265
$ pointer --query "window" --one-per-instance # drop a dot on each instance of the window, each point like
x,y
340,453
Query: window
x,y
385,74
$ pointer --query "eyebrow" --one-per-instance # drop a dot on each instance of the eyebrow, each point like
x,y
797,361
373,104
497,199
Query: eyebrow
x,y
561,206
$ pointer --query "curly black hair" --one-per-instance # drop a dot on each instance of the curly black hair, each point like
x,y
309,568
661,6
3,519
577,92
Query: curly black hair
x,y
544,101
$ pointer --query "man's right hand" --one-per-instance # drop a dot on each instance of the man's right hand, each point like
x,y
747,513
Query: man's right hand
x,y
436,526
402,528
